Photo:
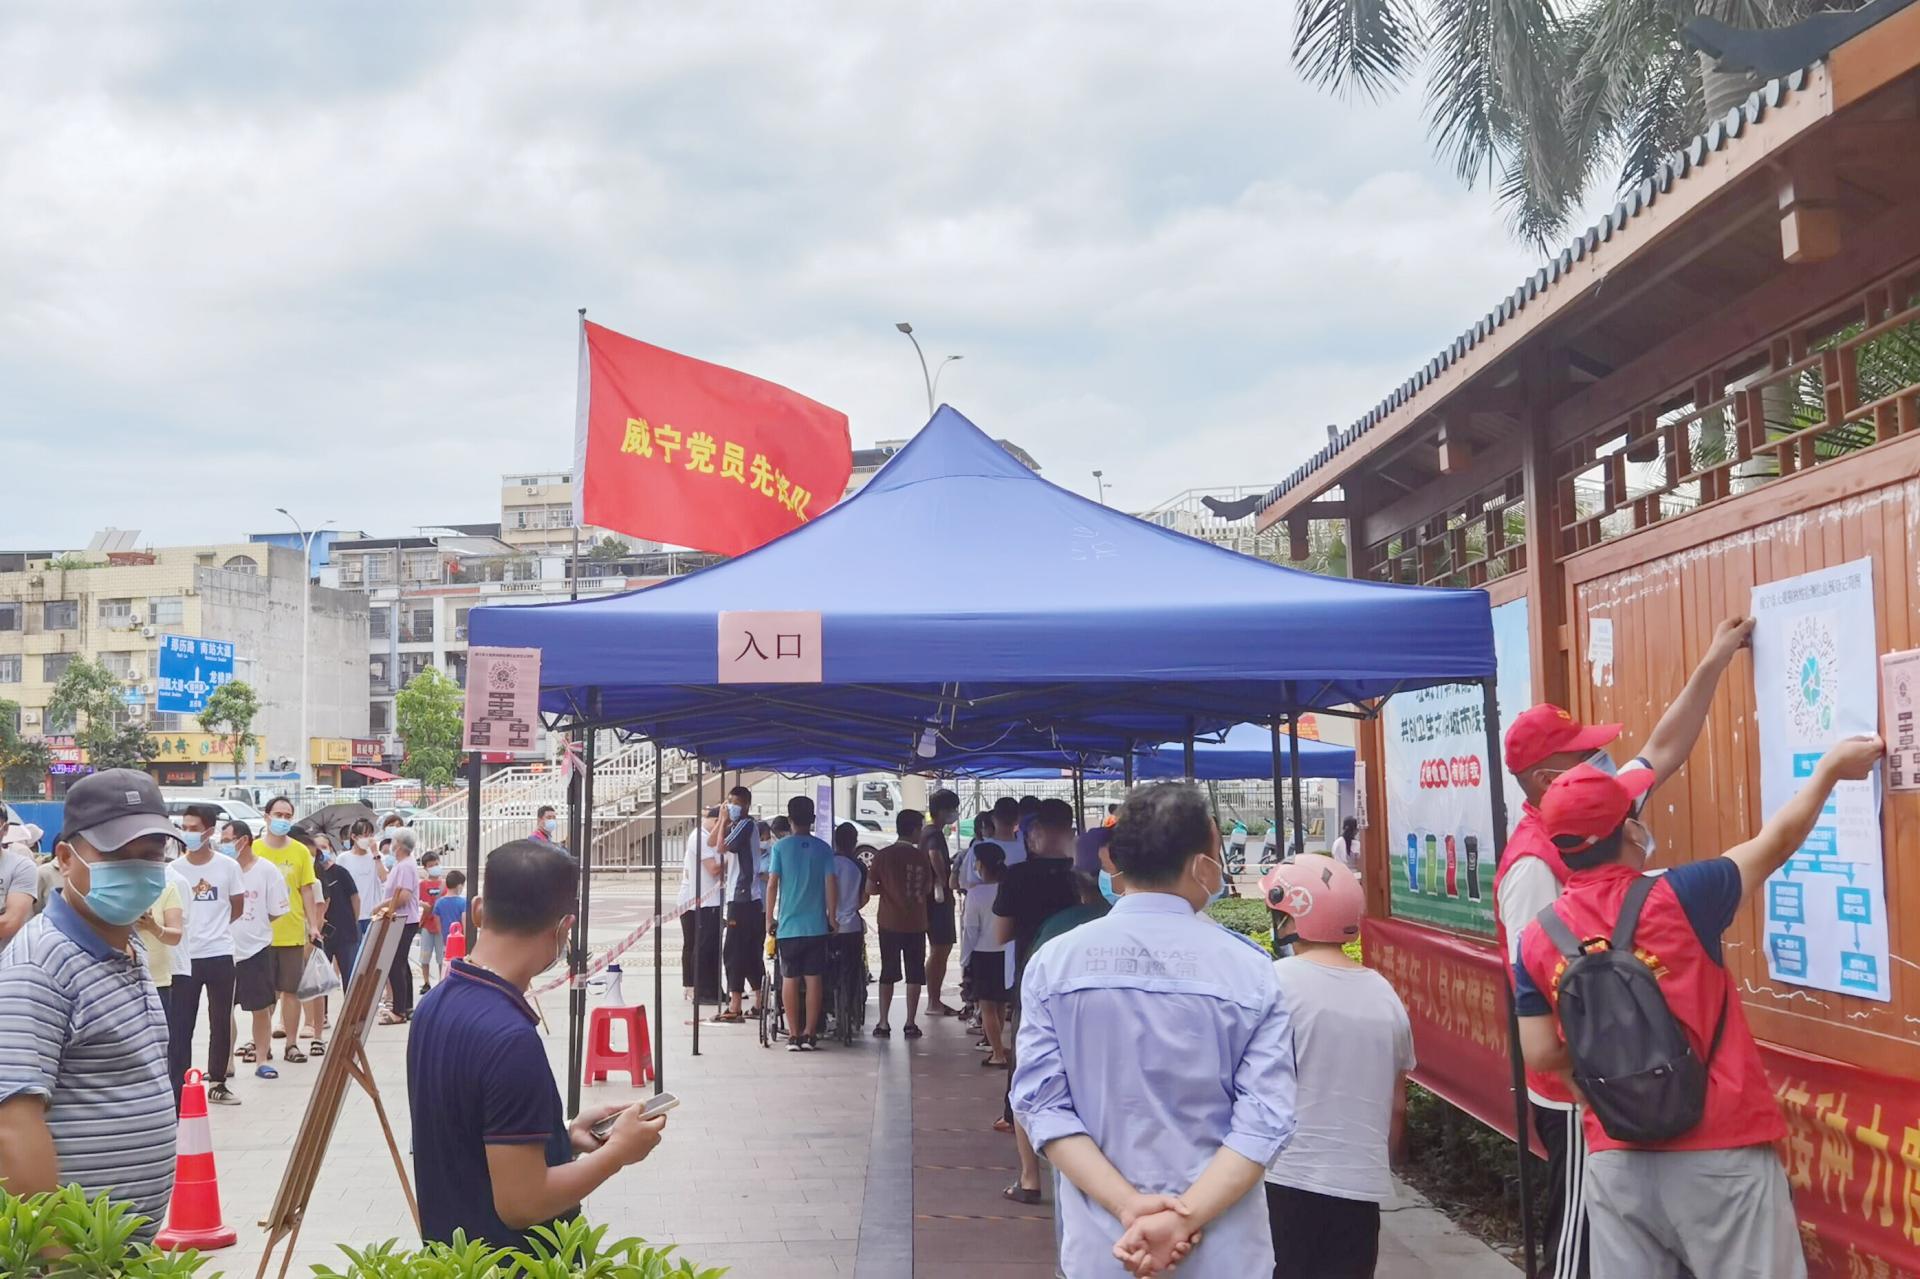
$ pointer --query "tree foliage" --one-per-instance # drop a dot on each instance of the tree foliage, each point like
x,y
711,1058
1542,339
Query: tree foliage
x,y
23,761
1545,101
610,548
88,695
230,712
429,715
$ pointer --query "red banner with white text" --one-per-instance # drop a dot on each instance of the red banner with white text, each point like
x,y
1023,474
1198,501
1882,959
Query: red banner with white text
x,y
1852,1150
692,454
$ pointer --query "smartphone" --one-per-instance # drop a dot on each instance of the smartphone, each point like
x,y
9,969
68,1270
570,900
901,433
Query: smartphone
x,y
653,1106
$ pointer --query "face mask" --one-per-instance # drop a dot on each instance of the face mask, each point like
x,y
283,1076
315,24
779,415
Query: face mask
x,y
278,826
560,948
735,811
192,839
387,860
1282,940
551,825
227,848
120,892
1217,893
1106,888
363,843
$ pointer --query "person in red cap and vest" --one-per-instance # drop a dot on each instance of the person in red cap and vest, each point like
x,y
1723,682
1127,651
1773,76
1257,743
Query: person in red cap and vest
x,y
1543,743
1714,1198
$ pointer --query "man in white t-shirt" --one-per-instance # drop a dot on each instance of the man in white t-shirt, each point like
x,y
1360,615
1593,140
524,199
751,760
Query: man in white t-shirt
x,y
1542,743
263,890
211,892
707,865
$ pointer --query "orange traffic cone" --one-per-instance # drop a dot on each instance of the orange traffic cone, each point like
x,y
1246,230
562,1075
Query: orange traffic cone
x,y
193,1218
456,941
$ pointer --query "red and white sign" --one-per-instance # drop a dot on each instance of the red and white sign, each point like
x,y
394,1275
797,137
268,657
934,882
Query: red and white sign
x,y
692,454
503,699
769,648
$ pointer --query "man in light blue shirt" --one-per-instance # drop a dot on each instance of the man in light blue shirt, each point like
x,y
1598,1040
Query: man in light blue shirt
x,y
803,903
1156,1065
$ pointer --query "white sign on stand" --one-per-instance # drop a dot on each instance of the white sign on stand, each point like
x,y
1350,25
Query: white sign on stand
x,y
1814,676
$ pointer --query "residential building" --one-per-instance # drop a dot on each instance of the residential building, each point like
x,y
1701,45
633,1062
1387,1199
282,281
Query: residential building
x,y
113,607
536,514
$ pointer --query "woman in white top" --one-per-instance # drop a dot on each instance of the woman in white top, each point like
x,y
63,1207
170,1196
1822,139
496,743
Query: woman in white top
x,y
1346,849
980,948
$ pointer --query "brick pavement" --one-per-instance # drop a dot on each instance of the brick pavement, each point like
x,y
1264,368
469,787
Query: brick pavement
x,y
770,1166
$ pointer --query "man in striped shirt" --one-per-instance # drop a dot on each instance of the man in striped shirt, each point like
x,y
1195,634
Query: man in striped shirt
x,y
84,1095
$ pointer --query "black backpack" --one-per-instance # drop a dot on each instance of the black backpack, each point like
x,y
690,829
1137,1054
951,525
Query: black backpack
x,y
1631,1056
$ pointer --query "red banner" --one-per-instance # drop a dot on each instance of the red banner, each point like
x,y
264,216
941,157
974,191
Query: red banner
x,y
692,454
1852,1151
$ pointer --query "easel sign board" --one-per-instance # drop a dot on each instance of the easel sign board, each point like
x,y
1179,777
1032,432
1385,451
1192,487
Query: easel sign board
x,y
347,1060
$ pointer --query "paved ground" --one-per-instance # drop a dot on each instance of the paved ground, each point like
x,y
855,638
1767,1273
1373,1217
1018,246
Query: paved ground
x,y
782,1166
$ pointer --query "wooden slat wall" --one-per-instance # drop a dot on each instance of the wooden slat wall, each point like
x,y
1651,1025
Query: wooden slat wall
x,y
1665,590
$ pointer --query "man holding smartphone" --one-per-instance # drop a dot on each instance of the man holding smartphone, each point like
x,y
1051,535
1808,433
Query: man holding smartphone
x,y
493,1154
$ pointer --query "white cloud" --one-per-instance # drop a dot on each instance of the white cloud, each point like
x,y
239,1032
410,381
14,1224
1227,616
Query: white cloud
x,y
339,254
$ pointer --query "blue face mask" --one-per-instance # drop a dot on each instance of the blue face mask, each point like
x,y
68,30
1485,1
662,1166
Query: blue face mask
x,y
735,811
387,860
190,840
278,826
1106,888
227,848
1219,892
120,892
552,824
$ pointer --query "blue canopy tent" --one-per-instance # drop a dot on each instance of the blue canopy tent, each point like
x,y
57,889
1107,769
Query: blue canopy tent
x,y
971,610
1246,752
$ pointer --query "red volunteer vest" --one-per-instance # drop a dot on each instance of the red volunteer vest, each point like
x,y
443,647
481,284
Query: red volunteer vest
x,y
1529,839
1740,1109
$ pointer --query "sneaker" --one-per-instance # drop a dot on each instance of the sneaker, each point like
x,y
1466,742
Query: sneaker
x,y
218,1095
810,1044
796,1044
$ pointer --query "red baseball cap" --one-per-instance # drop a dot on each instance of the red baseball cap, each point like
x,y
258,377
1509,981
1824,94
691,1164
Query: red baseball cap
x,y
1585,805
1544,730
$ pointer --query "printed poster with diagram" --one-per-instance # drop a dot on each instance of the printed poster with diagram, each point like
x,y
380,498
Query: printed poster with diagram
x,y
1815,676
1440,847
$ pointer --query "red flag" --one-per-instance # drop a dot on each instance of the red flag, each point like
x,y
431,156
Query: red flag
x,y
688,453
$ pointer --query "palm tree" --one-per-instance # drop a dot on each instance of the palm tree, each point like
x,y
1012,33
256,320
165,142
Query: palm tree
x,y
1541,100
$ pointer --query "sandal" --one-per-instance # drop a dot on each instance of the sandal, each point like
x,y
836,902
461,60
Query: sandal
x,y
726,1019
912,1031
883,1032
318,1048
293,1055
1019,1194
279,1034
1001,1125
989,1063
266,1072
393,1019
245,1053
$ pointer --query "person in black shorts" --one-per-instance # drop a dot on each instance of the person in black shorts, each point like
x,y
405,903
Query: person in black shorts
x,y
943,810
903,879
803,902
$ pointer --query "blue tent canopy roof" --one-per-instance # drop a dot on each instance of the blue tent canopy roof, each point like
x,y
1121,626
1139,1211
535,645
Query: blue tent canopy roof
x,y
962,593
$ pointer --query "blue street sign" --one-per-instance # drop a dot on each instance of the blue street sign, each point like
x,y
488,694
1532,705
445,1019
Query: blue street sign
x,y
189,670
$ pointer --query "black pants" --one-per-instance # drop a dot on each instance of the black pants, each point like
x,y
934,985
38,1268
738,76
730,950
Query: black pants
x,y
1320,1237
1564,1251
701,974
400,976
215,977
746,948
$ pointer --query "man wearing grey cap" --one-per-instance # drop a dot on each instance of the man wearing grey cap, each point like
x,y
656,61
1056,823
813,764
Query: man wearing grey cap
x,y
84,1093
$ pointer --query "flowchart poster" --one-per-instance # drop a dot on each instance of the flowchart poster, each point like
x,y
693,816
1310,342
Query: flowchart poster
x,y
1816,680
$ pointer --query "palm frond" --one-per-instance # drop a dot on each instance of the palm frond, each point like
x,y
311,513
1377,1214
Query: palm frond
x,y
1368,46
1466,114
1662,118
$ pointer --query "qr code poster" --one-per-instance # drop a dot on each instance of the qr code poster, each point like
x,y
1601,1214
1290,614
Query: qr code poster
x,y
503,699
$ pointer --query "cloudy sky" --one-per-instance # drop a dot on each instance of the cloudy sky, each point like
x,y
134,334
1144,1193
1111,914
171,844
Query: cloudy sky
x,y
328,258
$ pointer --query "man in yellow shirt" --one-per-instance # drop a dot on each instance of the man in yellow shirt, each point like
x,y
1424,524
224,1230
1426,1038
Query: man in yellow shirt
x,y
296,930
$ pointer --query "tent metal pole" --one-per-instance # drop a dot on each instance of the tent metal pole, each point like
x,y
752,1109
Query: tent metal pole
x,y
1189,753
1497,798
1276,834
659,910
591,756
577,953
1293,762
473,835
699,893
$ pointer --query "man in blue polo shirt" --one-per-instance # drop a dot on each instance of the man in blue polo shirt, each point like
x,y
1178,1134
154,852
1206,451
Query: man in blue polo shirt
x,y
493,1154
84,1095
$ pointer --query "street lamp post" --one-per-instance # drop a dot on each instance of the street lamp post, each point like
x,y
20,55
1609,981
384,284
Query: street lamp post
x,y
1101,484
300,761
931,379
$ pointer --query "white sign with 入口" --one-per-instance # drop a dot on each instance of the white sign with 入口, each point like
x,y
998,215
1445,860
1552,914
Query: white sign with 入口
x,y
769,648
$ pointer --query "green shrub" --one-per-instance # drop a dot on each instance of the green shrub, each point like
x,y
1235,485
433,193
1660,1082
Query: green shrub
x,y
1243,915
95,1240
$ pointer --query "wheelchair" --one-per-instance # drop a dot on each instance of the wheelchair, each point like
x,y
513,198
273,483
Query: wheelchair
x,y
847,981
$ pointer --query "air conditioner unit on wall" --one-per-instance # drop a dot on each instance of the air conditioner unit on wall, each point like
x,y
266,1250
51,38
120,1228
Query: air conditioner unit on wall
x,y
29,716
146,690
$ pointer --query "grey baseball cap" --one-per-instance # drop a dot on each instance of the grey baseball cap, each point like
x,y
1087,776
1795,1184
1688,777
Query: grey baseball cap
x,y
113,808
